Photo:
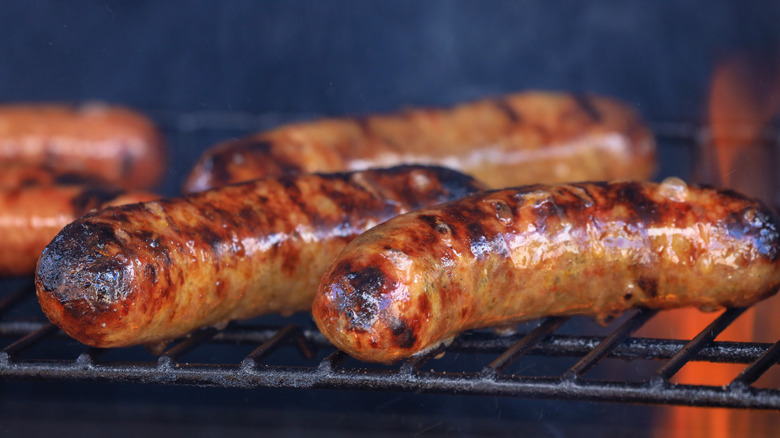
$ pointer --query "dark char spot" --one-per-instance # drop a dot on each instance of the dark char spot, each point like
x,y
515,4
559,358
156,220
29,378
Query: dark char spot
x,y
758,225
435,223
361,300
74,269
403,335
151,273
645,209
648,285
208,236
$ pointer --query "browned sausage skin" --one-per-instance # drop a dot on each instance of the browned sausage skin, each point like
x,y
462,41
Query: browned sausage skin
x,y
519,254
148,273
516,139
31,216
114,144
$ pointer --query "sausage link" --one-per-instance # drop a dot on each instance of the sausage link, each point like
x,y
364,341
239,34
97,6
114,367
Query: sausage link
x,y
148,273
517,139
31,216
519,254
111,143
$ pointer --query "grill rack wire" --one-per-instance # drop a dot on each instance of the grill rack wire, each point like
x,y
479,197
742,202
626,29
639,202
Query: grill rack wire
x,y
23,329
331,372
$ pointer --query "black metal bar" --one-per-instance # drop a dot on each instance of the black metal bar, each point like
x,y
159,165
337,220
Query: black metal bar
x,y
411,365
328,377
609,343
522,346
190,343
758,368
272,344
30,340
705,337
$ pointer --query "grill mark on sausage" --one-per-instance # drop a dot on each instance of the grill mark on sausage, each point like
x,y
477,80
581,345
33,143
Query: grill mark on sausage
x,y
403,334
261,151
633,195
585,103
509,111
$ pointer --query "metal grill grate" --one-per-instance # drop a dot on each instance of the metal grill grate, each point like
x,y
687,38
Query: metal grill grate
x,y
319,365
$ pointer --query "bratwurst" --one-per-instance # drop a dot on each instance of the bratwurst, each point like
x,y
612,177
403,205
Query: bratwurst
x,y
110,143
151,272
505,256
525,138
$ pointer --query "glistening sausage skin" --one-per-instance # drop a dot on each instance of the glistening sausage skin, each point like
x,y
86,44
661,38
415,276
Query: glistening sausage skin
x,y
504,256
148,273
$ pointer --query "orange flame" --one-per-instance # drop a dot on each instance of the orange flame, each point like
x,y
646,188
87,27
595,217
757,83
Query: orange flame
x,y
742,102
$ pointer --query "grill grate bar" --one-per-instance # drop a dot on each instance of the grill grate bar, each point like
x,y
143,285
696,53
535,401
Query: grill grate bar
x,y
30,339
273,343
327,376
188,344
705,337
609,343
524,345
758,368
332,361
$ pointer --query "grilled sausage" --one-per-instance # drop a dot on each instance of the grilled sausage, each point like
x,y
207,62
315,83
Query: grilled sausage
x,y
518,139
505,256
31,216
148,273
111,143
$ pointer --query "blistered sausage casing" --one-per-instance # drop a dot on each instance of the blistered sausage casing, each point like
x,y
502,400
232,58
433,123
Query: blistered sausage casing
x,y
151,272
519,254
525,138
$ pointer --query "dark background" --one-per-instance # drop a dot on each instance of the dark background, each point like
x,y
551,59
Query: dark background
x,y
211,70
357,56
207,71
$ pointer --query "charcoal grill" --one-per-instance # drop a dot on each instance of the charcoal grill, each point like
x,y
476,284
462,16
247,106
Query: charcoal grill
x,y
262,354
